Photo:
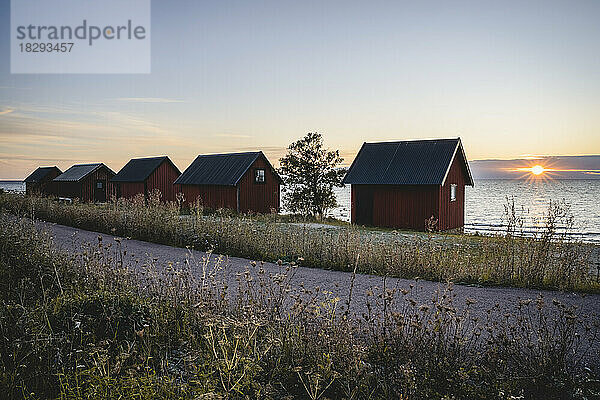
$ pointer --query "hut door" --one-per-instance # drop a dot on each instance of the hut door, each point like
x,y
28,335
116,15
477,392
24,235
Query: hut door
x,y
100,191
364,206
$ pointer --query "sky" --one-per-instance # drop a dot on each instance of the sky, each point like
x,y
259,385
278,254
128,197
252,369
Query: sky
x,y
513,79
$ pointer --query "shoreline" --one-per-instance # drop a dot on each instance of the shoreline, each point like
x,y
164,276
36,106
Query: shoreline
x,y
473,224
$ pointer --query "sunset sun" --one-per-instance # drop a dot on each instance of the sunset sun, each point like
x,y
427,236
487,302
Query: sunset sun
x,y
537,170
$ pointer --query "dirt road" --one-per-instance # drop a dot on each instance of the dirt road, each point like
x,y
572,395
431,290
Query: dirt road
x,y
139,253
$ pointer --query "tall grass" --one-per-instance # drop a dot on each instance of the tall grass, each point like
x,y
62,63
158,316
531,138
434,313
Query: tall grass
x,y
83,326
547,259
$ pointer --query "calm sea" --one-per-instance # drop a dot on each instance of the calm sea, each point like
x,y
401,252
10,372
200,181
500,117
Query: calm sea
x,y
484,210
485,203
12,186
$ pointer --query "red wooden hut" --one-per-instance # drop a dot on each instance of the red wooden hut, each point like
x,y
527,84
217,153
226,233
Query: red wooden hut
x,y
245,182
87,182
144,175
403,184
40,182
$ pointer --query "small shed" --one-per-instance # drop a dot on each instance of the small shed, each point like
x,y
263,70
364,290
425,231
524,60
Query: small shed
x,y
402,184
144,175
87,182
40,182
245,182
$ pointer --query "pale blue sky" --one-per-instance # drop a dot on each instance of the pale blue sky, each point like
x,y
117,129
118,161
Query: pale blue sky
x,y
510,78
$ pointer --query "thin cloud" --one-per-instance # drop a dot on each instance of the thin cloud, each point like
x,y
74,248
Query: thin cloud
x,y
348,158
264,148
92,124
7,111
587,171
39,159
560,167
148,100
232,136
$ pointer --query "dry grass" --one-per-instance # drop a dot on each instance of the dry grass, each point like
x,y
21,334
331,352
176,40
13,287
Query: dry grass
x,y
84,326
547,259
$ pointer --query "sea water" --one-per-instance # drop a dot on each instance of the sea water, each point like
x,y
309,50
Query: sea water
x,y
13,186
485,202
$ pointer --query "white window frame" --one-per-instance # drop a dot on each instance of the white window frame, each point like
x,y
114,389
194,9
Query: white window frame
x,y
453,191
257,175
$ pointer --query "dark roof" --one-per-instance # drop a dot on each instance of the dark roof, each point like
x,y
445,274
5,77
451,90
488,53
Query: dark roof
x,y
219,169
80,171
139,169
414,162
40,173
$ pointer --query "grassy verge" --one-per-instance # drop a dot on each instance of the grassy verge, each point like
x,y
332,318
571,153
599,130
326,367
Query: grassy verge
x,y
547,260
74,327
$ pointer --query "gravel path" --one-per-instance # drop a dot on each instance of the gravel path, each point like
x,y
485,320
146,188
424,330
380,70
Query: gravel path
x,y
480,300
139,253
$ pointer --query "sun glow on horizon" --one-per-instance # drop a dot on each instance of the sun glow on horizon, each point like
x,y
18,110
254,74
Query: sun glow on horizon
x,y
537,170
